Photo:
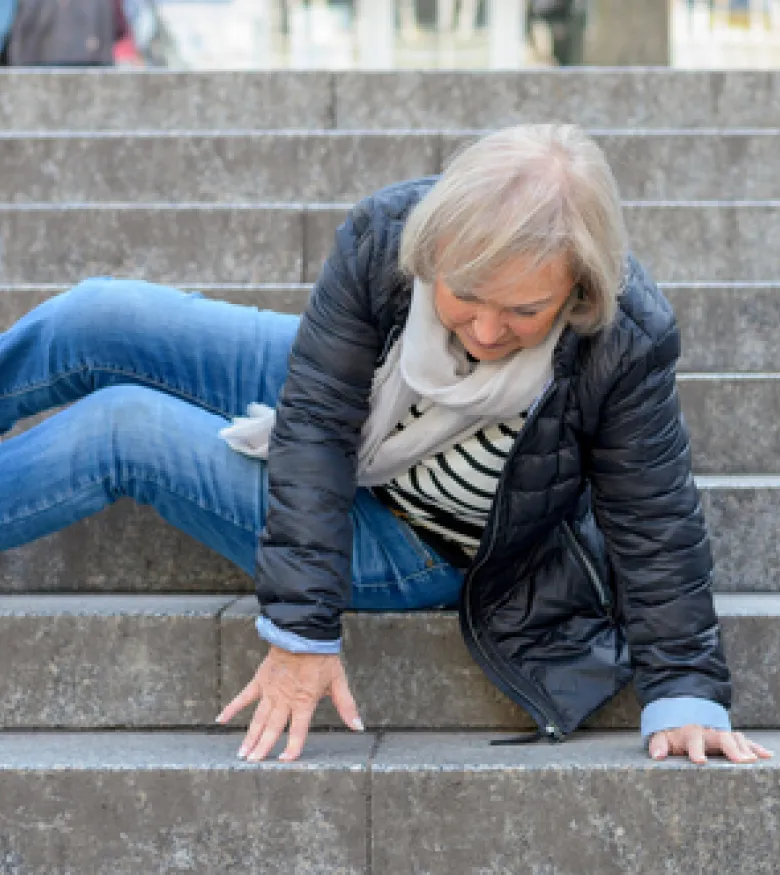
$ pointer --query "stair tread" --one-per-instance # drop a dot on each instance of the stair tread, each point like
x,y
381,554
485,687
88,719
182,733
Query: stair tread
x,y
212,750
239,604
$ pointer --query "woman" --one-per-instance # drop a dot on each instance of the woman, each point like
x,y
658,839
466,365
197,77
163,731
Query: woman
x,y
479,407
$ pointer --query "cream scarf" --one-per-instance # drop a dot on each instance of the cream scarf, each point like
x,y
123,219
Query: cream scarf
x,y
425,362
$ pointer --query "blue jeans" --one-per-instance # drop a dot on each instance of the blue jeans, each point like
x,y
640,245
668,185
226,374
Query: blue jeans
x,y
154,374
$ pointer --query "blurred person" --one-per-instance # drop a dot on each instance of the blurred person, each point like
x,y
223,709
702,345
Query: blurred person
x,y
566,21
7,14
151,37
478,408
66,33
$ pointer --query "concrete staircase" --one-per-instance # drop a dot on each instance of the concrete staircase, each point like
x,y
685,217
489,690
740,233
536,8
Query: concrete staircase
x,y
121,639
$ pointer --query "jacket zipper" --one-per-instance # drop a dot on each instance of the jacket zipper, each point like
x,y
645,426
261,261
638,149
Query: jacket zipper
x,y
587,566
548,726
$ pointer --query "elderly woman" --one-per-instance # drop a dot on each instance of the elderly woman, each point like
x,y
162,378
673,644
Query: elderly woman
x,y
478,407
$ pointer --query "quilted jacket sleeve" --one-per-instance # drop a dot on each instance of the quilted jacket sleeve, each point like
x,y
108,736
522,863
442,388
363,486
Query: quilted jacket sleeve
x,y
303,571
648,507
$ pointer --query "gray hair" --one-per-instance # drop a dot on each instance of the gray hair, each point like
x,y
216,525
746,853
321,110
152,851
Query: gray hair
x,y
532,190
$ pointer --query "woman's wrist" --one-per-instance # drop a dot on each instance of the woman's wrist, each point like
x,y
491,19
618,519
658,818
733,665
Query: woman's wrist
x,y
677,711
290,641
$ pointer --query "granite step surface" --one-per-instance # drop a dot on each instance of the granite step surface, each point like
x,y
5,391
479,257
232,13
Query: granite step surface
x,y
123,661
308,100
680,242
120,803
129,549
725,327
344,166
730,419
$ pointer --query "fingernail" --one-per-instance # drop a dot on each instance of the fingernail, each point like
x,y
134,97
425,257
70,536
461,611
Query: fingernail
x,y
219,719
285,757
656,755
242,751
357,724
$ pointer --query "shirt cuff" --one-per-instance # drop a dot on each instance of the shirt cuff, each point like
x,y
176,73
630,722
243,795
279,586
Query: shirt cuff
x,y
672,713
271,633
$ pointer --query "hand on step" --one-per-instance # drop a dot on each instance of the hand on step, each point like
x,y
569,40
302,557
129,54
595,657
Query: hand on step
x,y
288,687
696,742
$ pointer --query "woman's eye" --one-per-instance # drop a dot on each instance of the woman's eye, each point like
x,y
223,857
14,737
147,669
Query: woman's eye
x,y
528,314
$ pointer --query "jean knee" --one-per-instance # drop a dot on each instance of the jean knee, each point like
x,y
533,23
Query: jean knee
x,y
101,303
86,294
131,418
81,313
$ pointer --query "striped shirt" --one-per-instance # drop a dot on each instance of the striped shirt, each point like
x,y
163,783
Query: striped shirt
x,y
450,494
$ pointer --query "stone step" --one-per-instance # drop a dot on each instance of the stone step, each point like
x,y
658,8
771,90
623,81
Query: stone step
x,y
64,100
102,661
221,167
184,244
343,166
123,803
696,242
680,242
686,165
731,419
725,327
147,555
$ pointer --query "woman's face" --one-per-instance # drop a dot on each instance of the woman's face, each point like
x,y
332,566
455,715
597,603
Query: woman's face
x,y
514,310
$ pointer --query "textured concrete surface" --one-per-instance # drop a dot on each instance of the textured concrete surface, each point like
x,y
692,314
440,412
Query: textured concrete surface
x,y
127,548
751,639
632,98
339,166
121,803
680,165
742,517
413,670
166,244
729,327
682,243
678,242
595,804
219,168
731,419
80,661
422,803
704,242
127,100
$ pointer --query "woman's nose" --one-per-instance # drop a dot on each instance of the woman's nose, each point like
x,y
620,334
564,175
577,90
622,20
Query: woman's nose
x,y
488,327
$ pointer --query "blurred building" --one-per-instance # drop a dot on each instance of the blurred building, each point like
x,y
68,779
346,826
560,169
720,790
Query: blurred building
x,y
468,34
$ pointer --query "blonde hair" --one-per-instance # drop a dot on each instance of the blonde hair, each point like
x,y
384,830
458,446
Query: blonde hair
x,y
532,190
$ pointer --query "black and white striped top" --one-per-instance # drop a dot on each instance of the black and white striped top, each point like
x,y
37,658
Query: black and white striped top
x,y
450,494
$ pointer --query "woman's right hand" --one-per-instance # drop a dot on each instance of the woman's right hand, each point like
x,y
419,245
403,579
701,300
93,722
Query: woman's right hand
x,y
289,686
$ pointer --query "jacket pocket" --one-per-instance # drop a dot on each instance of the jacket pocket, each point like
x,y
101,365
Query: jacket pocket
x,y
588,567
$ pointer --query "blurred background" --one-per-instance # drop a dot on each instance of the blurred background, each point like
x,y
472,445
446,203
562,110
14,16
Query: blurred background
x,y
452,34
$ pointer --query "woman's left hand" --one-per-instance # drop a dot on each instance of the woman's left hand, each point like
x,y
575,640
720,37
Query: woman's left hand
x,y
697,742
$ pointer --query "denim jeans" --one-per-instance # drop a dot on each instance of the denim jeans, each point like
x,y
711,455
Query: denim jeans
x,y
152,375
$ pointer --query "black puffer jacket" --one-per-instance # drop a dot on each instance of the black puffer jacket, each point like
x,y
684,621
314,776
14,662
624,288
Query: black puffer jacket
x,y
595,560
